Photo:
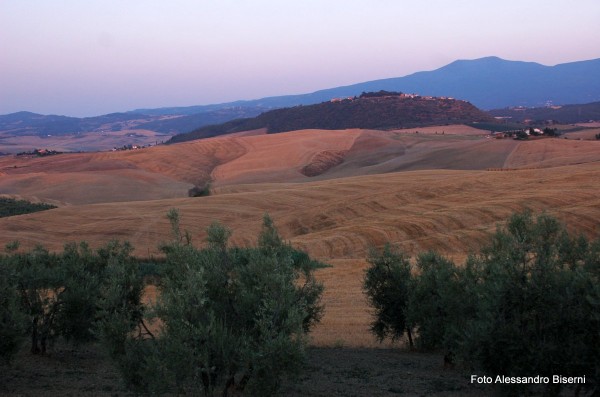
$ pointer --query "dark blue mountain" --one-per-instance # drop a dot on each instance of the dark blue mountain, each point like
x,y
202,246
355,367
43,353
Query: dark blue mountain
x,y
488,83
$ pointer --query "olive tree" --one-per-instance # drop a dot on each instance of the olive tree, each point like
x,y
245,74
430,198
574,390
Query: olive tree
x,y
229,320
12,319
387,283
538,297
527,304
440,299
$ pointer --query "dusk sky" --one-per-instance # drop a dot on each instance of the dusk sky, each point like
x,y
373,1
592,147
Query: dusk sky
x,y
85,58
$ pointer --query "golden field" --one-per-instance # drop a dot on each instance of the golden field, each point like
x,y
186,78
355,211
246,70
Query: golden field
x,y
420,190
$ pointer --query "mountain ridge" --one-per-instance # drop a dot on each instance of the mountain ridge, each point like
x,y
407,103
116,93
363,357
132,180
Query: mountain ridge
x,y
533,84
488,83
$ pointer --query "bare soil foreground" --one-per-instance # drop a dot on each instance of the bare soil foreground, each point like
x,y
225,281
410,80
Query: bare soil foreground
x,y
330,371
341,371
422,191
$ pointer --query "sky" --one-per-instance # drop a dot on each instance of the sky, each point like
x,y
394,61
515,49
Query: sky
x,y
92,57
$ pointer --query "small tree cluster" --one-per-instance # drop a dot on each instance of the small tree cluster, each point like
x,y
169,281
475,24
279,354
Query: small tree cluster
x,y
528,304
11,207
51,295
200,191
521,135
228,320
551,131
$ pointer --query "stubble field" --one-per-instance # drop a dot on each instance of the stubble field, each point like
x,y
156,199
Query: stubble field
x,y
422,191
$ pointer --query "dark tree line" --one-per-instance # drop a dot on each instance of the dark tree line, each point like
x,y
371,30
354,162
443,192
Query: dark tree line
x,y
10,207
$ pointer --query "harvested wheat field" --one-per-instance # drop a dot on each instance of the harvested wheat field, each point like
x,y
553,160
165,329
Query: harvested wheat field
x,y
84,141
331,193
445,199
245,158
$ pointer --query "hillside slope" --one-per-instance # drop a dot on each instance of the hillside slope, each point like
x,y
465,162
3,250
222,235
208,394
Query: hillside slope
x,y
383,110
169,171
336,220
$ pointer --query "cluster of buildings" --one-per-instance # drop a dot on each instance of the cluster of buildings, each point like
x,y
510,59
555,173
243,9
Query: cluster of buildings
x,y
400,95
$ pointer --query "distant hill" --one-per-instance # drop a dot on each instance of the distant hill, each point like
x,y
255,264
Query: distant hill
x,y
488,83
38,124
380,110
190,122
236,106
27,123
568,114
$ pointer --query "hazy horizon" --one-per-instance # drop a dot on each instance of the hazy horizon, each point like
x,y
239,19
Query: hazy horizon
x,y
92,58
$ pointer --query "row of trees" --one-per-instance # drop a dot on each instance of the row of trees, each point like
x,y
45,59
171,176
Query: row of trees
x,y
528,304
11,207
230,320
227,320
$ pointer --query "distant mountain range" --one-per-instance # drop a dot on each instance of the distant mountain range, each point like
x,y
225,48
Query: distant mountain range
x,y
488,83
27,123
375,110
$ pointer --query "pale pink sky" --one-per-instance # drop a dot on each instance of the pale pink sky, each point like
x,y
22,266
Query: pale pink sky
x,y
92,57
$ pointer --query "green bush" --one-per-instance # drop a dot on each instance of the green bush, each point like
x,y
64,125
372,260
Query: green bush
x,y
200,191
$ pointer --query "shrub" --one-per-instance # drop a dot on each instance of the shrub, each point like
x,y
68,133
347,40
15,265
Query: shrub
x,y
521,135
200,191
551,131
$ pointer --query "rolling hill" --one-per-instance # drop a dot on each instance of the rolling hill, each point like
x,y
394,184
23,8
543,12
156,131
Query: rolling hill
x,y
381,110
421,191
